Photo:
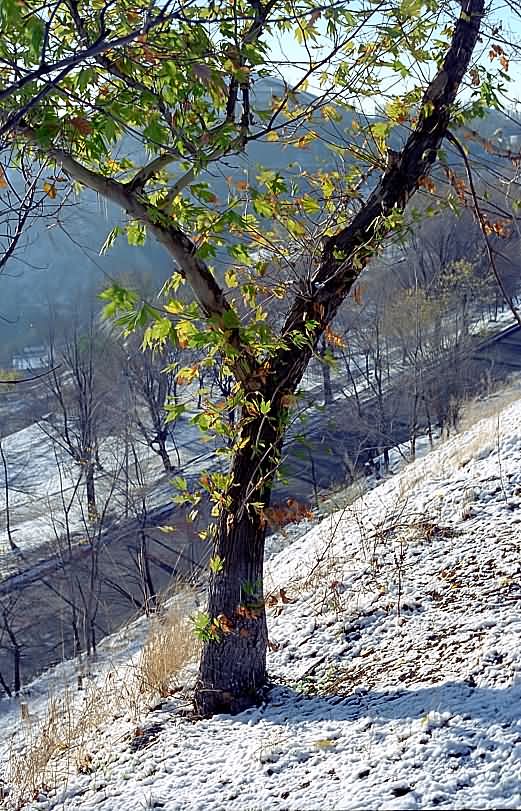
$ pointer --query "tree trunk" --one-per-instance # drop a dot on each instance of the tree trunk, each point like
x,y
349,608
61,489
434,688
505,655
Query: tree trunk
x,y
17,670
147,584
163,453
232,671
328,388
326,374
91,492
13,547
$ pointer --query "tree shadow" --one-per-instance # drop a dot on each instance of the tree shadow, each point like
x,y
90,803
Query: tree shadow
x,y
500,705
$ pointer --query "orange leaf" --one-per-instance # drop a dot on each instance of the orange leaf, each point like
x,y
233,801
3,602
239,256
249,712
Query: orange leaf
x,y
332,338
50,190
3,179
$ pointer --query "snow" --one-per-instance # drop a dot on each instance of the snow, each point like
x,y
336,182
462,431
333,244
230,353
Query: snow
x,y
396,662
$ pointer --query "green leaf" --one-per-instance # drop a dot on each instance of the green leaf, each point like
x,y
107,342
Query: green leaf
x,y
310,205
411,8
136,233
216,564
180,483
230,319
174,410
265,406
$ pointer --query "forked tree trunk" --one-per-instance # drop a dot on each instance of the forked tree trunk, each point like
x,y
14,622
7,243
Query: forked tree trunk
x,y
233,668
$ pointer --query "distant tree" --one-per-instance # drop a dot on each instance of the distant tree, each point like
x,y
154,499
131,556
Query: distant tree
x,y
77,397
152,381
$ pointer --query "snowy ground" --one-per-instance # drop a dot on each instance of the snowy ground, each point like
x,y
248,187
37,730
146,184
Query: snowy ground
x,y
396,662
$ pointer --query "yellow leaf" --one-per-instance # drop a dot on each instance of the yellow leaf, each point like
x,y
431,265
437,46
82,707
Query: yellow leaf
x,y
50,190
230,278
174,307
187,374
272,136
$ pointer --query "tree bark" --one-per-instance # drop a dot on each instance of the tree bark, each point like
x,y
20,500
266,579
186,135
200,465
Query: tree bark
x,y
232,671
326,375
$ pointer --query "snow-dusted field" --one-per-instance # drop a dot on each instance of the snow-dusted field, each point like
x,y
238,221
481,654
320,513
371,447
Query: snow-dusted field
x,y
396,662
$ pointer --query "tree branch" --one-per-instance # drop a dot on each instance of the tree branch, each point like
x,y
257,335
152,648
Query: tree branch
x,y
208,293
101,45
346,253
479,214
151,169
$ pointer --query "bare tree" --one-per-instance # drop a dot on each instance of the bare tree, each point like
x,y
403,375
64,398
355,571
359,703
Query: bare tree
x,y
151,378
77,394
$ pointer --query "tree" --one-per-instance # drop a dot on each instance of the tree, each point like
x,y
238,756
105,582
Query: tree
x,y
78,397
84,80
153,386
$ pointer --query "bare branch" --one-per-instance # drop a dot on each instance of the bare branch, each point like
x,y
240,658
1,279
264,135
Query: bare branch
x,y
479,214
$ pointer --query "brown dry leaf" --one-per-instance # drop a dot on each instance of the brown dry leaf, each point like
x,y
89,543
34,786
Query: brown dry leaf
x,y
283,598
474,77
288,400
49,189
427,183
81,125
225,624
356,294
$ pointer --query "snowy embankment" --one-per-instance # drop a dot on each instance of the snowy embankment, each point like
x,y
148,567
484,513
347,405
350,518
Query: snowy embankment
x,y
394,628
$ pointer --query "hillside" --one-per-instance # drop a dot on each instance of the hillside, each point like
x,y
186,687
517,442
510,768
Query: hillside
x,y
395,661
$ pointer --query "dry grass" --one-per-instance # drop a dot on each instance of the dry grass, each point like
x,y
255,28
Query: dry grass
x,y
343,498
483,430
170,646
490,406
49,749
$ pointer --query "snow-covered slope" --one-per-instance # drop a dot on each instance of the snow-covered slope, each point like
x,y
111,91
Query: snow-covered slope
x,y
395,629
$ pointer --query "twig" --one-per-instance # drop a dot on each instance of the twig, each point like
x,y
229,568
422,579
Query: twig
x,y
479,214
